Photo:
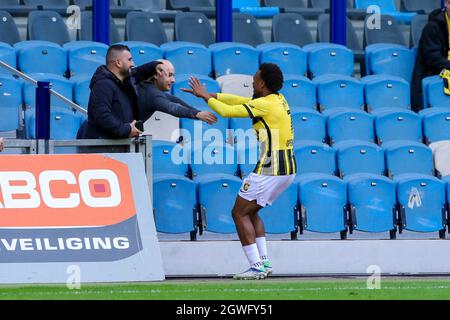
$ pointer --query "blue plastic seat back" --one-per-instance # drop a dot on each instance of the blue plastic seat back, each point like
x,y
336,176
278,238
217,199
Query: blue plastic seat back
x,y
323,199
393,61
81,90
290,58
7,55
246,29
47,26
170,158
436,125
64,124
408,157
387,91
398,125
58,83
359,157
190,59
48,58
10,103
374,199
422,200
350,124
435,94
339,92
299,92
309,125
143,52
212,158
193,27
223,191
239,59
9,33
190,125
144,26
86,57
315,157
175,200
280,216
291,28
330,58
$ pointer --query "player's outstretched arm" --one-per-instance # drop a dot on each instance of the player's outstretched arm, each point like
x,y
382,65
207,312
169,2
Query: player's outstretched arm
x,y
199,90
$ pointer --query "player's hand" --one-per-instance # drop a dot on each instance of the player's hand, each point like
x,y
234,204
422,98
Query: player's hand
x,y
2,144
135,132
197,89
207,117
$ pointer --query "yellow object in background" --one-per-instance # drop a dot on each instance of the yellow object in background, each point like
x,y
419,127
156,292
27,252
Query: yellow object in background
x,y
445,75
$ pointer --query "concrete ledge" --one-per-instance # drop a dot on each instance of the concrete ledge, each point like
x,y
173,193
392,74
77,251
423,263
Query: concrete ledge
x,y
300,258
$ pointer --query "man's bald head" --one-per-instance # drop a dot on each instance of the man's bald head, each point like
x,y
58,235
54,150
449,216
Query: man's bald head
x,y
165,75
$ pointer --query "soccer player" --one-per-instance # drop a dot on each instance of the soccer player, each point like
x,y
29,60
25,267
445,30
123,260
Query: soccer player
x,y
276,168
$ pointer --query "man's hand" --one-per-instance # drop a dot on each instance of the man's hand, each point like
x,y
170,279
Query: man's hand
x,y
198,89
2,144
207,116
134,131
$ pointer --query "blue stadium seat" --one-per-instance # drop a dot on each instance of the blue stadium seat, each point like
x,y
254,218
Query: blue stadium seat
x,y
216,197
290,58
189,124
398,125
85,56
372,200
241,132
436,124
326,58
193,27
404,157
8,56
50,56
387,7
433,93
300,93
10,103
347,124
315,157
175,204
209,159
81,90
291,28
234,58
47,26
309,125
254,8
146,27
9,33
323,200
391,60
281,216
190,58
384,91
354,156
170,158
143,52
64,125
338,91
422,204
246,29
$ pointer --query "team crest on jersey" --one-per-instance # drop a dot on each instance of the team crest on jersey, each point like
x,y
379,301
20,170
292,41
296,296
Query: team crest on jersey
x,y
245,187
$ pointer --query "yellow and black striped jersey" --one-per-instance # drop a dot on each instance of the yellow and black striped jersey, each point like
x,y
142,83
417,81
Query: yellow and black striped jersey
x,y
272,123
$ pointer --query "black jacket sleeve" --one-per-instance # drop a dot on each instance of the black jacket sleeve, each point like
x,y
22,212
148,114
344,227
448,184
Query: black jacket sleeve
x,y
101,111
170,104
433,47
145,71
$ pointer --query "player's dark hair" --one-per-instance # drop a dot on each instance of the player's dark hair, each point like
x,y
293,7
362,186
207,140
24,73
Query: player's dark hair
x,y
272,76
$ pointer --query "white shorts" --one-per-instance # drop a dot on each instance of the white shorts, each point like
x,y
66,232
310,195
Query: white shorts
x,y
264,189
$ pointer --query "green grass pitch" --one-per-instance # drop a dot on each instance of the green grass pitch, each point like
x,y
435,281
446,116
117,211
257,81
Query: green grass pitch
x,y
227,289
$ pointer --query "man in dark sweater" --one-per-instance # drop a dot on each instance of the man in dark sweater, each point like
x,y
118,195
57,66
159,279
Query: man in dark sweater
x,y
112,108
432,54
153,97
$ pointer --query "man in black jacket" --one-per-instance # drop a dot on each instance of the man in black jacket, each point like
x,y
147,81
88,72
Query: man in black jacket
x,y
154,96
112,108
432,54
